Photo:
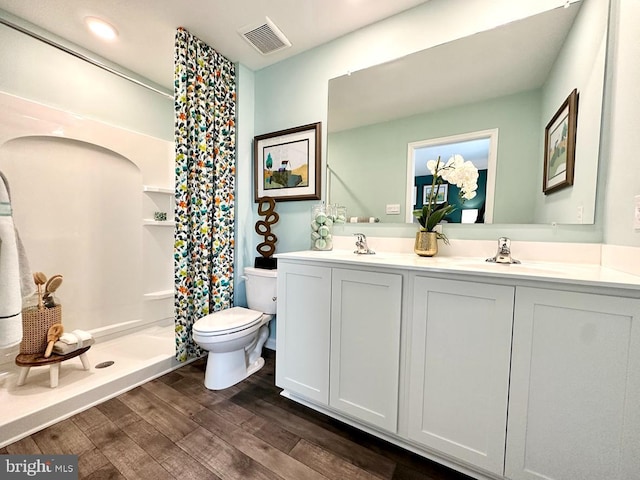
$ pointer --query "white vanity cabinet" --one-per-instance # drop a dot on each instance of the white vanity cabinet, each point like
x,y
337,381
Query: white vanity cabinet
x,y
458,373
302,342
365,345
501,373
338,339
574,407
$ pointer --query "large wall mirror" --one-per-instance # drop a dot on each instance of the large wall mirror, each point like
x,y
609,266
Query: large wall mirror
x,y
511,80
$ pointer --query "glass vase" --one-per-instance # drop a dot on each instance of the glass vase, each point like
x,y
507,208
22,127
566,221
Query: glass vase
x,y
321,228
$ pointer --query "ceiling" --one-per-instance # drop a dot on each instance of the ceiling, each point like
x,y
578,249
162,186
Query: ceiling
x,y
147,27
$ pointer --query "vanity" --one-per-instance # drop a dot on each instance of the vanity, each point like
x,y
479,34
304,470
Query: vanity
x,y
523,372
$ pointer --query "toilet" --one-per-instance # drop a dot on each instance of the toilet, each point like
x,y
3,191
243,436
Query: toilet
x,y
234,337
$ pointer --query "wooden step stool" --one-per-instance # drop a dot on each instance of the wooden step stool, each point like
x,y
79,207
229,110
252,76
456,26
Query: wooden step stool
x,y
25,361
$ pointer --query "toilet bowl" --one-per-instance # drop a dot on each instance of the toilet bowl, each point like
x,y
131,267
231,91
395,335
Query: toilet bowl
x,y
234,337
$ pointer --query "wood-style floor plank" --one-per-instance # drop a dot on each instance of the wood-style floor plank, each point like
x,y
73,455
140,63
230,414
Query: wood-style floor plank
x,y
26,446
271,433
330,465
132,461
196,390
92,461
184,467
116,411
361,457
227,462
256,448
175,428
90,419
108,472
166,419
63,438
173,397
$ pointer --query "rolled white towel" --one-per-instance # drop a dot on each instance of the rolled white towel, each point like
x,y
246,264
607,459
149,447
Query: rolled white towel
x,y
69,342
10,288
75,337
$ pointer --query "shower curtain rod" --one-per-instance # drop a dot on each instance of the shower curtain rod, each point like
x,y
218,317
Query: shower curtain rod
x,y
81,56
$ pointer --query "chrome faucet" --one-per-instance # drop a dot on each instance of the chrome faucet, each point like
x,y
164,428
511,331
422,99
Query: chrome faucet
x,y
361,245
504,252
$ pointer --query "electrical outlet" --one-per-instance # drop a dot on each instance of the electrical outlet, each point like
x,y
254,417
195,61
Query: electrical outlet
x,y
393,209
636,214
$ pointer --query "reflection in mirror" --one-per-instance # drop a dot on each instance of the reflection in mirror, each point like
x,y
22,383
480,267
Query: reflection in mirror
x,y
480,148
512,79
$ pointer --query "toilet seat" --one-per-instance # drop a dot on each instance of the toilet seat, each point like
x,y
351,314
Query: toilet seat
x,y
226,322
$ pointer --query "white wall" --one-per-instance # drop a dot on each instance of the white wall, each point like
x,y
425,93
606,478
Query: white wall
x,y
78,203
87,221
36,71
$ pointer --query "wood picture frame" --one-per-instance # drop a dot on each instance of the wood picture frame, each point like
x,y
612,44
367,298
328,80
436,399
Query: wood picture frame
x,y
560,146
287,164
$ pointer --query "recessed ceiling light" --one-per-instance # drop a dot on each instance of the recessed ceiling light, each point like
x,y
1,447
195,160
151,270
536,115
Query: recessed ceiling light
x,y
101,28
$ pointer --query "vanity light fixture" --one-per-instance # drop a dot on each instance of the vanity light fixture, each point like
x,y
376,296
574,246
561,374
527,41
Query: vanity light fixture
x,y
102,29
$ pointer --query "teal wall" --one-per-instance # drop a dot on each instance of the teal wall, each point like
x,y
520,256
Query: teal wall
x,y
453,197
381,152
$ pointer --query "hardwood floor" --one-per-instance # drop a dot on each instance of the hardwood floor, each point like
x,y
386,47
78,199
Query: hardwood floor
x,y
173,427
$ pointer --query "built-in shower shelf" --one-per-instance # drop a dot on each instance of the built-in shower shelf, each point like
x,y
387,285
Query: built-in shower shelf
x,y
159,295
154,189
156,223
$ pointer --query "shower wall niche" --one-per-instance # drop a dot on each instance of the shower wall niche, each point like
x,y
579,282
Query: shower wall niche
x,y
84,196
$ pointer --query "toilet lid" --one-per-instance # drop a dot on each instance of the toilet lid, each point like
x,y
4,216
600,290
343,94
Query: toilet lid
x,y
227,321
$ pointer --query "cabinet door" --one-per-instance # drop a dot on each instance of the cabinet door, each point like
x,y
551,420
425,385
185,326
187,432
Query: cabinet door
x,y
365,345
303,322
574,406
459,369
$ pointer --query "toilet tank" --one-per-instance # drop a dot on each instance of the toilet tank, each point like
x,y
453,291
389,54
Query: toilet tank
x,y
262,287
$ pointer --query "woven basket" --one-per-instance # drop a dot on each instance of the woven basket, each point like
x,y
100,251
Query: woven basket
x,y
35,325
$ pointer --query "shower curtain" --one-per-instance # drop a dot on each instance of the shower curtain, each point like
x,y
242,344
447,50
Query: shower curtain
x,y
205,104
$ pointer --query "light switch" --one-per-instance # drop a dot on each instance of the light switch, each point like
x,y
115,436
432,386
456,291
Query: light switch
x,y
393,209
636,215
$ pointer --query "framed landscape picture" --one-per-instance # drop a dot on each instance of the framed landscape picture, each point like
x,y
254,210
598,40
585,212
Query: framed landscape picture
x,y
560,146
442,193
287,164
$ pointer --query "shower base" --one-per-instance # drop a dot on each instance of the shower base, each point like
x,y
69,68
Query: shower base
x,y
137,358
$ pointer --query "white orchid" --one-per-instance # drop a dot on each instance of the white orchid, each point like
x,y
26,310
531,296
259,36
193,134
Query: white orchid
x,y
461,173
455,171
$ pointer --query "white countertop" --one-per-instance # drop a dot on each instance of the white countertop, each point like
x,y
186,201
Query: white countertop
x,y
567,273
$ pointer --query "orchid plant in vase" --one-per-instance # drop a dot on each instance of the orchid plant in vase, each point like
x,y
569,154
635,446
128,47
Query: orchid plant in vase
x,y
456,171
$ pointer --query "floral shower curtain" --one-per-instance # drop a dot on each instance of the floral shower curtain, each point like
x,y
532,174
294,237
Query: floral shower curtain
x,y
205,105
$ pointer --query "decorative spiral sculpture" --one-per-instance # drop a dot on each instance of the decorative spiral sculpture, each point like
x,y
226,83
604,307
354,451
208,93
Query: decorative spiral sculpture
x,y
266,208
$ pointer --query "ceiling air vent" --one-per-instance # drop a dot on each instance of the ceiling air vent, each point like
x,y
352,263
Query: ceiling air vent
x,y
265,37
